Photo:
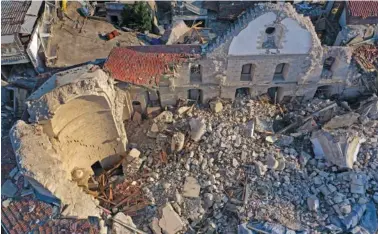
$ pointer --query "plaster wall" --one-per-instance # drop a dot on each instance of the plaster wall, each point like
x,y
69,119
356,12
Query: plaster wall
x,y
296,40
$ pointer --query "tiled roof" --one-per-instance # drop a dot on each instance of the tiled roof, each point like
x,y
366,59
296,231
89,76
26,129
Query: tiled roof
x,y
12,15
25,214
363,9
144,65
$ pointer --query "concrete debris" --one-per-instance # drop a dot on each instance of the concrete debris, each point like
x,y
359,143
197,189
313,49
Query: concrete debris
x,y
200,172
198,128
154,226
191,187
313,203
165,117
216,106
183,109
123,224
178,140
304,158
342,121
342,151
264,125
133,154
170,221
9,189
249,129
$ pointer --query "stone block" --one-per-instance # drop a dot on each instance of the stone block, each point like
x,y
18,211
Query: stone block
x,y
191,187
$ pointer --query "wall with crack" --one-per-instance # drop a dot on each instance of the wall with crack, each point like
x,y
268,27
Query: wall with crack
x,y
76,119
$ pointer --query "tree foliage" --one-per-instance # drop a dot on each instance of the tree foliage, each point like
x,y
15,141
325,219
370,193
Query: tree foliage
x,y
137,16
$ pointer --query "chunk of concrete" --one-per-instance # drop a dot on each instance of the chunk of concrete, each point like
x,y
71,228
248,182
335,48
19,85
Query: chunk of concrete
x,y
178,140
198,128
304,158
260,168
9,189
120,223
154,128
342,121
250,129
216,106
313,203
133,154
170,221
165,117
264,126
154,225
341,151
191,187
183,109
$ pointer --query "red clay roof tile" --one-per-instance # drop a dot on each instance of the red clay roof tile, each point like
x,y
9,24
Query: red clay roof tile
x,y
363,9
144,65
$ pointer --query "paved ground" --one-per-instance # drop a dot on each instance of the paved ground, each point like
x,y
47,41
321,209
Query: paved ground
x,y
79,44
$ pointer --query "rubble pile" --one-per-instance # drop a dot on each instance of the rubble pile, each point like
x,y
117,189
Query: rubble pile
x,y
252,165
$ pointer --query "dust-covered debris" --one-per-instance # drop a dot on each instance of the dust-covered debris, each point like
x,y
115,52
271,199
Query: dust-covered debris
x,y
226,173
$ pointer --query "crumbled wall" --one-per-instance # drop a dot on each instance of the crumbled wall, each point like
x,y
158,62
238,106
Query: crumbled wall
x,y
39,160
78,115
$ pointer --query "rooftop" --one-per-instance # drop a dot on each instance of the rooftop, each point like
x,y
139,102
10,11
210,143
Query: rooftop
x,y
19,16
144,65
363,9
77,40
12,16
362,12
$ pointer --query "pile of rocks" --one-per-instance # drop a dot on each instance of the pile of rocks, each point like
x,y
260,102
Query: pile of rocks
x,y
225,166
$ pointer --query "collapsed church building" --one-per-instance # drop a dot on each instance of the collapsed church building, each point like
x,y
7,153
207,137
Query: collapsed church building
x,y
76,118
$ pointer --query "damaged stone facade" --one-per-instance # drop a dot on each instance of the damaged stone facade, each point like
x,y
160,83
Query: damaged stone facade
x,y
269,49
76,119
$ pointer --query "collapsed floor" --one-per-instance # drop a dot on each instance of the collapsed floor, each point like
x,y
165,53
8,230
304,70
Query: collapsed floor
x,y
213,171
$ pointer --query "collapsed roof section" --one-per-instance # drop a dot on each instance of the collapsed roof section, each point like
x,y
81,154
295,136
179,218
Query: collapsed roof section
x,y
145,65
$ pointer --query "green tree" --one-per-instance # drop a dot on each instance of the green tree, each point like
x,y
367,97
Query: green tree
x,y
137,17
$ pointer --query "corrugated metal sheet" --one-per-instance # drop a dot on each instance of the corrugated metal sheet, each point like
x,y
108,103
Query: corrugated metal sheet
x,y
12,15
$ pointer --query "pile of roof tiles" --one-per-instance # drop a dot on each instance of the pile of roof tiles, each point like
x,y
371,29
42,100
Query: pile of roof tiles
x,y
367,57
